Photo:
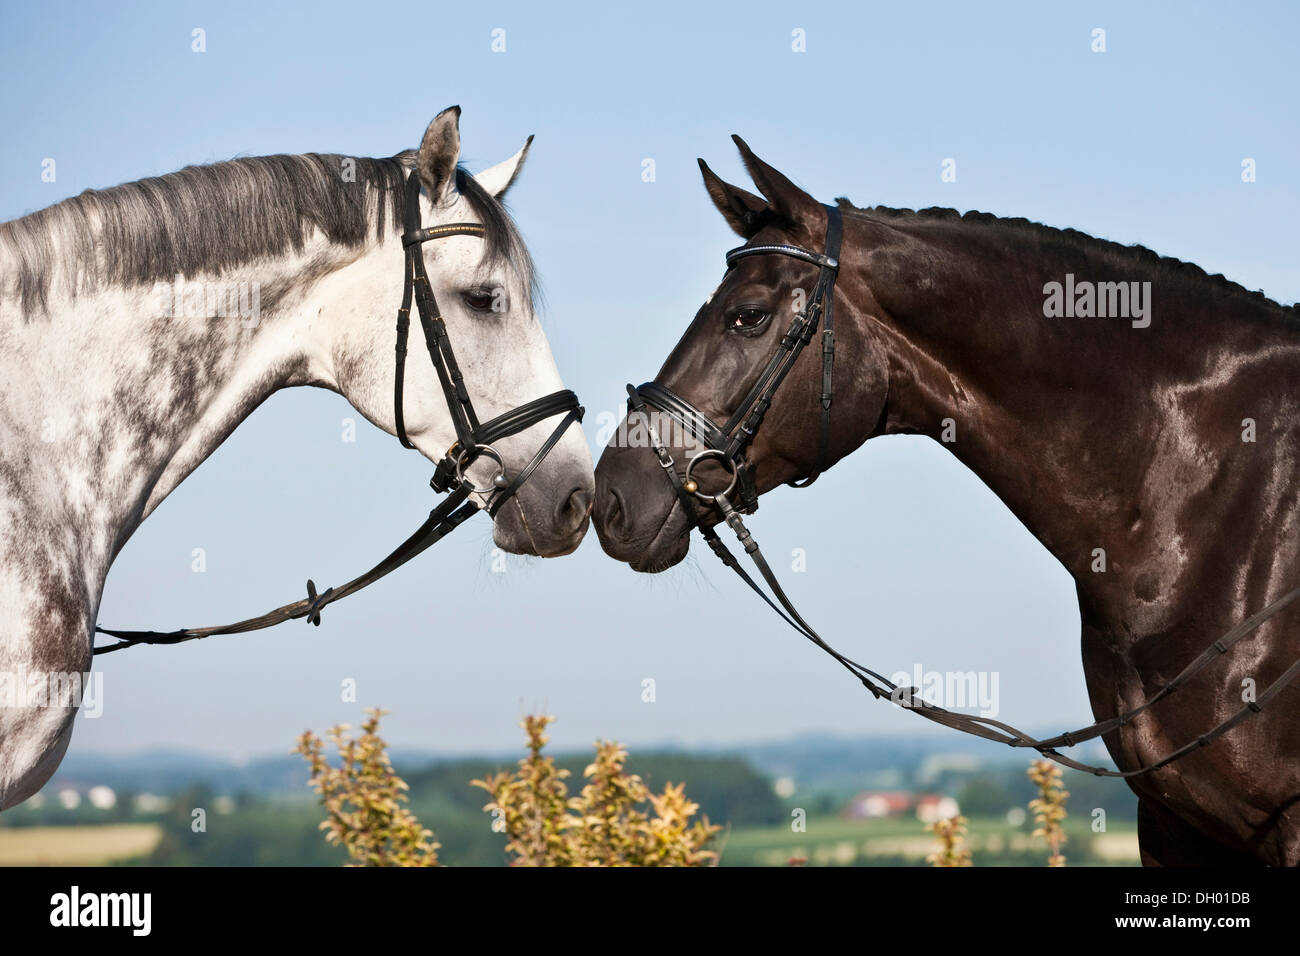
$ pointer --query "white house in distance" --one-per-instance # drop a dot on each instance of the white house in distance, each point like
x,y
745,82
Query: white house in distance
x,y
931,807
879,804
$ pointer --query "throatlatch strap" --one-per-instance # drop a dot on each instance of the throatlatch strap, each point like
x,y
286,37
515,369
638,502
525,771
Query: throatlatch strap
x,y
834,231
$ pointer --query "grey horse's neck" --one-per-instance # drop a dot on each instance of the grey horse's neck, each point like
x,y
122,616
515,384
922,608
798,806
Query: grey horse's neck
x,y
108,404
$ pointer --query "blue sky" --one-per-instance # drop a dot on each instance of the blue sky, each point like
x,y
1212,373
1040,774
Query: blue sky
x,y
1142,143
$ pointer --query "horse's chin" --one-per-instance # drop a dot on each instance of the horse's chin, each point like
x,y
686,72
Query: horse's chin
x,y
518,531
512,544
650,554
658,563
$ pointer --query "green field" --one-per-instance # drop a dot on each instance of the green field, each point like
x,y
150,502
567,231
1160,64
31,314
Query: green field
x,y
284,837
906,842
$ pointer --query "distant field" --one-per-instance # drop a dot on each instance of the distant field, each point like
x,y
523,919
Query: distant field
x,y
281,838
77,846
905,841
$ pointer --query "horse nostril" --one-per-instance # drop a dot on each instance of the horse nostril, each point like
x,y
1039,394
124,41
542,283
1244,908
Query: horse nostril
x,y
611,515
573,512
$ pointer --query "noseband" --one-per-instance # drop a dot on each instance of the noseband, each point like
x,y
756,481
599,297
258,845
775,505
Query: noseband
x,y
727,445
473,442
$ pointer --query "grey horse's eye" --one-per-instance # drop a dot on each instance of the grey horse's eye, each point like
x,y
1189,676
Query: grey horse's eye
x,y
484,300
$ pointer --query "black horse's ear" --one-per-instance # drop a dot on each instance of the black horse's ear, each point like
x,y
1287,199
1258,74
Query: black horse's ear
x,y
787,200
439,153
744,212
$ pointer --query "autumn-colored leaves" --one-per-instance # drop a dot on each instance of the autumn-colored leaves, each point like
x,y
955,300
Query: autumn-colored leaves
x,y
365,800
1049,813
615,820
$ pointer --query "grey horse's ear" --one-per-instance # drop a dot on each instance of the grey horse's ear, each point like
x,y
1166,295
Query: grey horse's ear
x,y
439,153
746,213
498,179
786,199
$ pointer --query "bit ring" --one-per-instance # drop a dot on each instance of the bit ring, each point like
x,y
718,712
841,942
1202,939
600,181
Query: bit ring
x,y
498,480
693,487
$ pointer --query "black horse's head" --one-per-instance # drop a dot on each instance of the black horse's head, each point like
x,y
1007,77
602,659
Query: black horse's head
x,y
639,516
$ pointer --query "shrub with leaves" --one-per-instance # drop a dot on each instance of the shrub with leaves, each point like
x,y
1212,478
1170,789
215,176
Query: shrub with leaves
x,y
614,821
1049,807
365,799
951,831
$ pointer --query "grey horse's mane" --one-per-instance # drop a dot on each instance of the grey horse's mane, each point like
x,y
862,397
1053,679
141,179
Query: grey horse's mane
x,y
216,217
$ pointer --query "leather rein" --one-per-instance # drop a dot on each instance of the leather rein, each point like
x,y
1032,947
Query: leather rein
x,y
727,443
473,441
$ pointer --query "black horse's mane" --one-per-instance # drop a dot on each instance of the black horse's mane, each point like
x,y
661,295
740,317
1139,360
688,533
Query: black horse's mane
x,y
1136,253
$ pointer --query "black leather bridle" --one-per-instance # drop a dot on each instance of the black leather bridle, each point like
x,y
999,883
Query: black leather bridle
x,y
473,441
727,446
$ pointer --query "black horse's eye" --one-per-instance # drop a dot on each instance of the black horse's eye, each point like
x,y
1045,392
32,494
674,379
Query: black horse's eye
x,y
484,300
747,318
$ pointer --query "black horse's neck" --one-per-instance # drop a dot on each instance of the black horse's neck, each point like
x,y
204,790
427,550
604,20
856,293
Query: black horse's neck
x,y
1116,438
1158,461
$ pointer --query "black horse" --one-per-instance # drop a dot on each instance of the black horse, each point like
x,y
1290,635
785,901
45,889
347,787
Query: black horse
x,y
1138,415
